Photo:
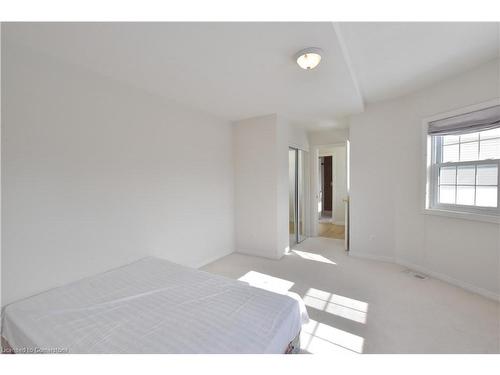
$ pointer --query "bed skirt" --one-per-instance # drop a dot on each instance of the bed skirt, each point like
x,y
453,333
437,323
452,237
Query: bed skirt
x,y
294,346
5,347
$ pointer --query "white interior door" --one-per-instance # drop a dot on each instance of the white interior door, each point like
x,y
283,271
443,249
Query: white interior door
x,y
347,199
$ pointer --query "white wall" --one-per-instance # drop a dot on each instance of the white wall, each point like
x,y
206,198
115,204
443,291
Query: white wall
x,y
387,176
298,138
97,174
261,186
282,198
327,137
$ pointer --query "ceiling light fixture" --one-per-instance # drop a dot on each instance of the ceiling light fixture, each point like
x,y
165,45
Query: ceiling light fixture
x,y
309,58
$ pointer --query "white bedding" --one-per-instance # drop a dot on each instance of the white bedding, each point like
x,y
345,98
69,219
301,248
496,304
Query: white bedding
x,y
154,306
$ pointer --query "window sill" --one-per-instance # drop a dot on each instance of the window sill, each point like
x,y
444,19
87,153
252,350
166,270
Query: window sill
x,y
463,215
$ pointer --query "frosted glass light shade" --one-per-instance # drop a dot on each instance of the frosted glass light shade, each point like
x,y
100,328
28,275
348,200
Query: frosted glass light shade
x,y
309,58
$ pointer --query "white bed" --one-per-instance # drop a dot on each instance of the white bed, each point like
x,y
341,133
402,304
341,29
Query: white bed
x,y
154,306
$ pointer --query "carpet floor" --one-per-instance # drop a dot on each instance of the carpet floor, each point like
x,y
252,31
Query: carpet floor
x,y
365,306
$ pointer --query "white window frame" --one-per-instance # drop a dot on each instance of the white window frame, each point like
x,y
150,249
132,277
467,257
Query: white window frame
x,y
432,153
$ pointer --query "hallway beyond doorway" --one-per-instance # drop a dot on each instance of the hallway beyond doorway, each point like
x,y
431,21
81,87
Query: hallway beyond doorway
x,y
331,185
331,230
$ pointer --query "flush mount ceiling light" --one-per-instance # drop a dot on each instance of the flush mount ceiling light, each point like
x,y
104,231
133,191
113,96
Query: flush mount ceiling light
x,y
309,58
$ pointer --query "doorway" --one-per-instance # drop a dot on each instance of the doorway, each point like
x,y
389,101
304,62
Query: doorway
x,y
326,184
332,213
297,193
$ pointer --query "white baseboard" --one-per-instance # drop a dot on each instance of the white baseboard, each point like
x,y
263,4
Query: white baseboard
x,y
339,222
380,258
451,280
259,254
211,259
436,275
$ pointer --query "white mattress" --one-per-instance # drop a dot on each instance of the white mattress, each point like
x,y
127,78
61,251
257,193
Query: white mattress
x,y
154,306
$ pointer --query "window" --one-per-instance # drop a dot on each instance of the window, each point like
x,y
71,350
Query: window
x,y
464,170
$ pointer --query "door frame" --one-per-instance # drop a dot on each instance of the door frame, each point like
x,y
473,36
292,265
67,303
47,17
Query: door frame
x,y
322,184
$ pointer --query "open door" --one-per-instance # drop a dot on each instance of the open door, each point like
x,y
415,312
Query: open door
x,y
346,238
347,198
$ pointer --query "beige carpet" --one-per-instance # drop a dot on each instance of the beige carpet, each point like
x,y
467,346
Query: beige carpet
x,y
365,306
